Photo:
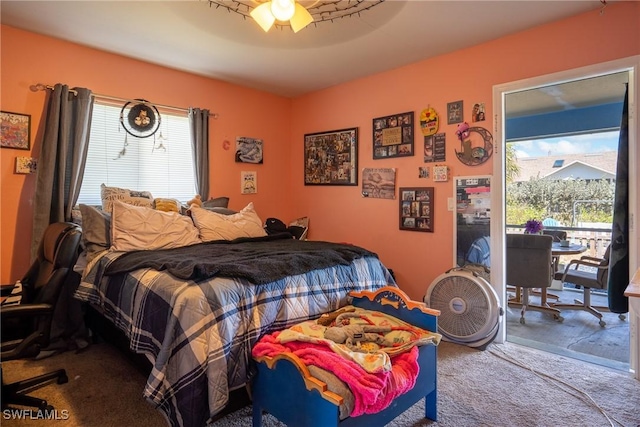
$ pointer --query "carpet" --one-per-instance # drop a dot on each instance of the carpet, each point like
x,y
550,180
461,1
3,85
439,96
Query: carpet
x,y
505,385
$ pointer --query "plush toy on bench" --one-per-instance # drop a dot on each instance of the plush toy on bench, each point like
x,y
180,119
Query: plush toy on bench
x,y
357,337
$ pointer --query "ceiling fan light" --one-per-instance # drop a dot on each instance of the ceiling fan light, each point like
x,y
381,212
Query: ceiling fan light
x,y
300,19
263,16
283,10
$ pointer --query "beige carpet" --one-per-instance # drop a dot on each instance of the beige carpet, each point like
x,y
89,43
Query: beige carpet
x,y
476,388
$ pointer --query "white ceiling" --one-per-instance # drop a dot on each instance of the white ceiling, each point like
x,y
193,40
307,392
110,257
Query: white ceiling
x,y
192,36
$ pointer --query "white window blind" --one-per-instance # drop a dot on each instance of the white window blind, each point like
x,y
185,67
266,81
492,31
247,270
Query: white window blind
x,y
161,164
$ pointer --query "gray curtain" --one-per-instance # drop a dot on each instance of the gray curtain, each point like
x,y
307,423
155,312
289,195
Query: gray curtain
x,y
619,255
67,122
199,126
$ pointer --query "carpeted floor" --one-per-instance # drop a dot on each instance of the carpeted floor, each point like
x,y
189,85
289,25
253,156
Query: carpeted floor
x,y
506,385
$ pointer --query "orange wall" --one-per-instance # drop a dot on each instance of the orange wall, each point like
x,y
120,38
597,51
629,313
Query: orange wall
x,y
28,59
337,213
342,214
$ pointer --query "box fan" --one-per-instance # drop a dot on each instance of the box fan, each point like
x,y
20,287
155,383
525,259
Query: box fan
x,y
469,307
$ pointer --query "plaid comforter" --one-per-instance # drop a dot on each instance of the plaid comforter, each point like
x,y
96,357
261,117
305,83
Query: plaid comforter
x,y
199,334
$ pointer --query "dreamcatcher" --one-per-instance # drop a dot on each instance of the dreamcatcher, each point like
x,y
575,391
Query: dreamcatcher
x,y
141,119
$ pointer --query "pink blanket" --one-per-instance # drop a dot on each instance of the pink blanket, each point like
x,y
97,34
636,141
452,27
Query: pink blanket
x,y
372,392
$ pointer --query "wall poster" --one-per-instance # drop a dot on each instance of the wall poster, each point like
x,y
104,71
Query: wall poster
x,y
331,158
393,136
248,150
416,209
379,183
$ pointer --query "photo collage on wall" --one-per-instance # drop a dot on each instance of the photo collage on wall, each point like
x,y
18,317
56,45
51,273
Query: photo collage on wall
x,y
393,136
416,209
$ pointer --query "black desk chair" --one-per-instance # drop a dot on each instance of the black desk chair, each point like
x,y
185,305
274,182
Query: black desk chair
x,y
594,276
26,326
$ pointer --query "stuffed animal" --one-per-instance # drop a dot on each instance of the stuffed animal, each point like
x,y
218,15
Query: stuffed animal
x,y
197,200
327,318
358,337
463,131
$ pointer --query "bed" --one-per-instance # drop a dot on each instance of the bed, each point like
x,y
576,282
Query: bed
x,y
195,311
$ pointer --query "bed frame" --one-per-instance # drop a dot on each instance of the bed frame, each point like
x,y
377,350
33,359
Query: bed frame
x,y
284,387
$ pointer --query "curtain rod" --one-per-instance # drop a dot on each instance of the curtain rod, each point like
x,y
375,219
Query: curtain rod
x,y
41,86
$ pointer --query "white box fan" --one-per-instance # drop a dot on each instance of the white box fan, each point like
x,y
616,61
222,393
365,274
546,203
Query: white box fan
x,y
469,307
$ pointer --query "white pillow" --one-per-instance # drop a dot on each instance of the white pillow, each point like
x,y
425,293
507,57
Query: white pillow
x,y
136,228
215,226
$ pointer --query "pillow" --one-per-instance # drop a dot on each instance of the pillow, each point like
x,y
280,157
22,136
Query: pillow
x,y
96,230
136,198
218,202
167,205
221,211
214,226
139,228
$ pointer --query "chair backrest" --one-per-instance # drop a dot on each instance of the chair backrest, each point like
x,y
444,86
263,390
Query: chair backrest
x,y
529,260
603,273
557,235
57,254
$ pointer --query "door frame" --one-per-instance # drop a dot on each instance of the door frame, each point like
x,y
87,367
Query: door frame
x,y
498,202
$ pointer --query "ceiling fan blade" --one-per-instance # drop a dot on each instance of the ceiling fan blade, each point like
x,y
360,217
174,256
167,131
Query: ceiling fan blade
x,y
300,19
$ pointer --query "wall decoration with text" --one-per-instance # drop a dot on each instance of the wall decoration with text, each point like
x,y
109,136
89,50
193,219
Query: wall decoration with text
x,y
393,136
416,209
248,182
331,158
435,148
379,183
429,121
248,150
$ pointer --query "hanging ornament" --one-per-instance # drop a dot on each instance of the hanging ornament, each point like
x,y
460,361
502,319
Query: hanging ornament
x,y
140,118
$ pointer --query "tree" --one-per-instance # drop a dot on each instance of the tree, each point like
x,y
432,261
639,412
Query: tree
x,y
512,168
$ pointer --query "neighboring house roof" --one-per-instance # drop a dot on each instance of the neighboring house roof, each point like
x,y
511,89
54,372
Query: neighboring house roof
x,y
569,166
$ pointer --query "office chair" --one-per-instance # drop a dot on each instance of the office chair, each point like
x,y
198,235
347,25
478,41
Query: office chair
x,y
26,326
595,276
529,266
557,235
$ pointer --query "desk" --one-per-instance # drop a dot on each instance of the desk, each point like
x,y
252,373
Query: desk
x,y
633,292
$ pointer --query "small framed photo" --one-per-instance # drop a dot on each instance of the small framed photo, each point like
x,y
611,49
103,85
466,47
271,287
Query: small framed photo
x,y
15,130
454,112
416,209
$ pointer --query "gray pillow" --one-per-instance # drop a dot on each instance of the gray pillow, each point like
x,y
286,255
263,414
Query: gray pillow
x,y
218,202
221,210
96,230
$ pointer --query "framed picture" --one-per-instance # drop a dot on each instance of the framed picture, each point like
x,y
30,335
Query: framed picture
x,y
15,130
248,150
393,136
379,183
454,112
331,158
416,209
248,182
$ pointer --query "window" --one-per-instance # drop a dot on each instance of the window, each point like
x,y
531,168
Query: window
x,y
161,164
558,163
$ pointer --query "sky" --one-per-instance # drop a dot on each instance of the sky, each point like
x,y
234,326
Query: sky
x,y
589,143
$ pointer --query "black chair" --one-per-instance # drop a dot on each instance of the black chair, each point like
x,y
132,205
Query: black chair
x,y
529,266
558,235
590,273
26,326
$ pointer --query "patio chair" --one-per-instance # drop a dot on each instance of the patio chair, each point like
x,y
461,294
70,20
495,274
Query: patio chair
x,y
590,273
529,266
